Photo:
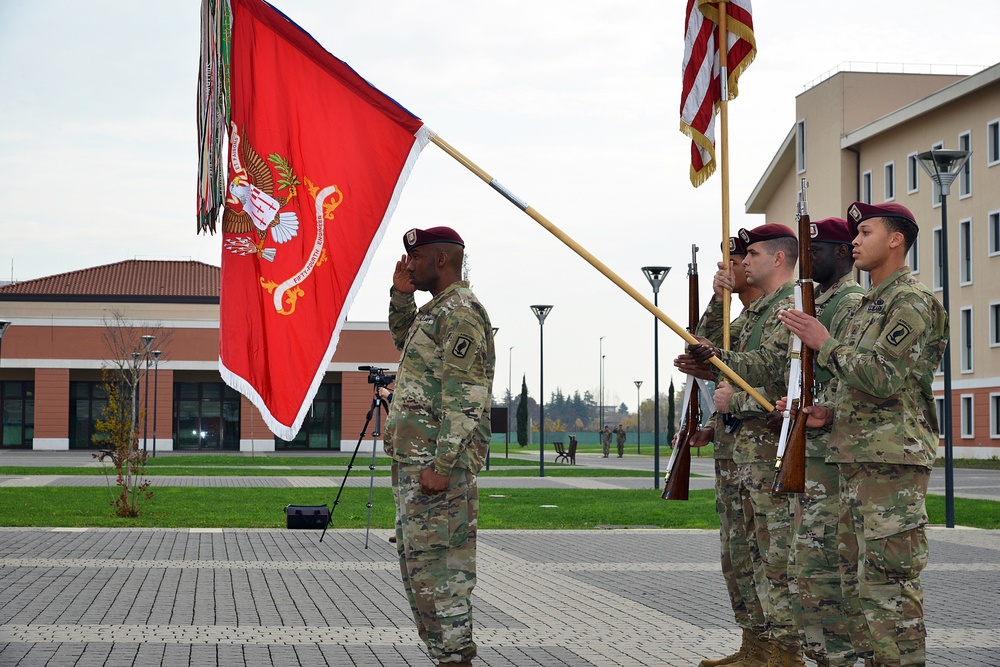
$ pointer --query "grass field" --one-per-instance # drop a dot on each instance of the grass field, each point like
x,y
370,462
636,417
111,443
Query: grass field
x,y
215,507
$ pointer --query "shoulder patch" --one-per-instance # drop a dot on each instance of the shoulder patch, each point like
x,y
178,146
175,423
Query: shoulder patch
x,y
899,333
461,347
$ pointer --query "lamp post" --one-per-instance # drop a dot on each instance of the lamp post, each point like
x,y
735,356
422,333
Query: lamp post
x,y
655,276
600,386
510,356
489,446
943,166
147,340
638,408
541,312
156,386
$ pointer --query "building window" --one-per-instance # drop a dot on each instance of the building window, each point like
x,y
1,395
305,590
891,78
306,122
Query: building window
x,y
965,252
87,401
967,416
995,415
994,324
18,402
866,187
913,256
800,146
993,142
966,339
912,172
939,404
993,222
938,268
206,416
890,181
965,176
321,428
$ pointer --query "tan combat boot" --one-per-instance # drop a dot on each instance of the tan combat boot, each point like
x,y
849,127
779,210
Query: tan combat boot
x,y
782,658
757,654
748,638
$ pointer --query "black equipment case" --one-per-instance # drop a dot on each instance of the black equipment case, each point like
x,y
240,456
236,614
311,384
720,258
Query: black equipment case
x,y
307,516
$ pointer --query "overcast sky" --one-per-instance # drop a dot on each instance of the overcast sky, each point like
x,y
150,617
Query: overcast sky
x,y
572,106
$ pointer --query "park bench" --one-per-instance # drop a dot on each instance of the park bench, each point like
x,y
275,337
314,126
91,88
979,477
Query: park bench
x,y
566,455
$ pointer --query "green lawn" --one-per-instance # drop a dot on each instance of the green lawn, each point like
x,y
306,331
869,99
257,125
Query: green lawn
x,y
214,507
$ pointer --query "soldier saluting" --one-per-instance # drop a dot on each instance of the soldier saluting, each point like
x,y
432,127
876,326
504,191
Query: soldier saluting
x,y
884,436
437,434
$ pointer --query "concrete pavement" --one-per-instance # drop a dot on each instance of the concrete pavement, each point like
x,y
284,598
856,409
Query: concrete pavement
x,y
550,598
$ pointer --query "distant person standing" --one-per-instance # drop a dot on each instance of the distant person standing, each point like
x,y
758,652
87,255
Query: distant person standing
x,y
437,434
606,440
620,440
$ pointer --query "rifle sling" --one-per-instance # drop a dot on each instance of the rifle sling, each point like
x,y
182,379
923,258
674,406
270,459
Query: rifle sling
x,y
822,374
758,328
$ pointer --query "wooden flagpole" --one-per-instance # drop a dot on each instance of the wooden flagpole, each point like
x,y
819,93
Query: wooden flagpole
x,y
724,157
600,266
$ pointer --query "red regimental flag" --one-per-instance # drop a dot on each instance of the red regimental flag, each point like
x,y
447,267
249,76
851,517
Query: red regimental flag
x,y
316,160
701,90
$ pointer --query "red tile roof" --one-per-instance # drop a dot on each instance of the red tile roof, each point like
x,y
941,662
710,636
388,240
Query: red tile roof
x,y
131,280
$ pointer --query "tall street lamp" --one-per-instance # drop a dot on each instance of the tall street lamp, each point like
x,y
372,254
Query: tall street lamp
x,y
510,356
655,276
943,166
600,386
156,385
638,408
541,312
147,340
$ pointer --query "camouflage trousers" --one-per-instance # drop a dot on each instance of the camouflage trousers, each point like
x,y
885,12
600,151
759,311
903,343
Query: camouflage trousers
x,y
814,584
768,525
883,549
436,541
737,565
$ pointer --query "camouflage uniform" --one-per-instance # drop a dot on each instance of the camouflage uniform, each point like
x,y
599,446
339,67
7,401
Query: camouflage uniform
x,y
620,440
814,583
884,440
606,441
439,418
767,515
737,564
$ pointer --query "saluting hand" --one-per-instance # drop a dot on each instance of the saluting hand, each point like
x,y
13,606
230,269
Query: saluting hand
x,y
401,277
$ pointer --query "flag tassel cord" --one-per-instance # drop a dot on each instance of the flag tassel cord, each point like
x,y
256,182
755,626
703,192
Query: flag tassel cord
x,y
597,264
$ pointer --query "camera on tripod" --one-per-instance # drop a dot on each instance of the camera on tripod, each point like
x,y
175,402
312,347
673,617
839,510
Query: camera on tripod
x,y
378,376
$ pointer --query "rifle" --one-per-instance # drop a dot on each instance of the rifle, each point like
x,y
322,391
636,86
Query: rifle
x,y
791,461
678,476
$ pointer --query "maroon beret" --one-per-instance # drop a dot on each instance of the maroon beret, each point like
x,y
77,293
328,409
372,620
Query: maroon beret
x,y
737,246
859,211
771,230
417,237
832,230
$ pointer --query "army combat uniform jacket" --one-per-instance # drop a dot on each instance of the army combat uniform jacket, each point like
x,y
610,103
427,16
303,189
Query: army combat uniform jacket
x,y
764,365
440,412
710,327
883,404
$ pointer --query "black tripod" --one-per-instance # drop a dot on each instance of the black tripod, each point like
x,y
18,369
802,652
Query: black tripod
x,y
373,410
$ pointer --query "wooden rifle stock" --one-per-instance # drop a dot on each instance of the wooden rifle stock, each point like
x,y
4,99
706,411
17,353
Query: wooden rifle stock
x,y
791,464
677,480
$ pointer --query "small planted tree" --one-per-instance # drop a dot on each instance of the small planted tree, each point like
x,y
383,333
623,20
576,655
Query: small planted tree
x,y
522,414
117,432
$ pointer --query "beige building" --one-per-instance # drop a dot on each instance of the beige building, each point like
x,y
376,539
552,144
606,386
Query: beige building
x,y
65,328
856,137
